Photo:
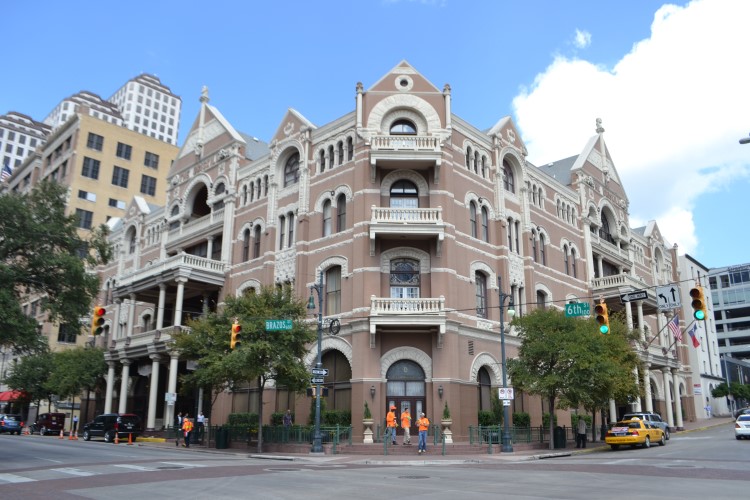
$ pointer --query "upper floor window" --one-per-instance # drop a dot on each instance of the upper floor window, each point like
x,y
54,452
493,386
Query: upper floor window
x,y
340,153
404,279
541,299
256,242
291,171
349,149
290,224
124,150
333,290
481,294
566,261
148,185
282,232
542,249
120,176
573,262
151,160
473,219
90,168
85,218
95,141
404,194
340,213
245,245
327,218
403,127
508,181
534,248
485,225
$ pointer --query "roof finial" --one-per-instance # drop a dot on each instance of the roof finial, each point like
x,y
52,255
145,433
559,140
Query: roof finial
x,y
599,128
204,94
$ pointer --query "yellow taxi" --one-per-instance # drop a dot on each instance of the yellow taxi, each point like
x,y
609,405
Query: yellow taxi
x,y
634,432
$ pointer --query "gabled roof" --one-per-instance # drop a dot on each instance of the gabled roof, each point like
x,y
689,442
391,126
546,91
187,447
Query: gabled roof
x,y
401,68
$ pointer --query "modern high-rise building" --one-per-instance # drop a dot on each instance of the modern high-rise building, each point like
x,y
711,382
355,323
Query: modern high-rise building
x,y
413,221
20,135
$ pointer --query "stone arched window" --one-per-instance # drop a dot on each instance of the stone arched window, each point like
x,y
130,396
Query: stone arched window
x,y
403,127
291,171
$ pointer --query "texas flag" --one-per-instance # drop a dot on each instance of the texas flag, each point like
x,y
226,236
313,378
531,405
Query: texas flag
x,y
691,332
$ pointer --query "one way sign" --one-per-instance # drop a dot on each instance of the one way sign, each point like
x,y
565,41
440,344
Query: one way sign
x,y
668,297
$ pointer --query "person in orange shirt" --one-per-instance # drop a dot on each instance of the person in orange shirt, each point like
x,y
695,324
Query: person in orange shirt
x,y
406,424
423,424
390,425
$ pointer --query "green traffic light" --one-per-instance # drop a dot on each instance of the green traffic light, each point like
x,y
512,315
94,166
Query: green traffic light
x,y
604,329
699,314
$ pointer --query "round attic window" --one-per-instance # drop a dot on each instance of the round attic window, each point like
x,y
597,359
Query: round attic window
x,y
404,83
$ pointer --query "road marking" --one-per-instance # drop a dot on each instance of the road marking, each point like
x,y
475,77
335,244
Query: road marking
x,y
12,478
135,467
74,472
183,464
50,460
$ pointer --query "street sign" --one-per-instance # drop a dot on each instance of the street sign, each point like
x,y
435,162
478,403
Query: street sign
x,y
317,380
275,325
575,309
320,371
668,297
506,402
637,295
505,393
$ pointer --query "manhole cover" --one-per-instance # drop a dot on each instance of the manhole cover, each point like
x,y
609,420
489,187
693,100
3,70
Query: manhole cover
x,y
414,477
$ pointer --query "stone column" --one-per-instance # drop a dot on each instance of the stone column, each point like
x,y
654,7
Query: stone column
x,y
677,401
667,397
116,330
612,411
131,314
110,386
160,310
637,403
641,329
178,301
647,387
124,385
171,387
153,392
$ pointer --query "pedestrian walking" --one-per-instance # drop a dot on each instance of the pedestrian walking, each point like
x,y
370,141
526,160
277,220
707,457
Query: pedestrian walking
x,y
200,426
177,428
581,433
391,425
75,423
423,424
187,428
406,424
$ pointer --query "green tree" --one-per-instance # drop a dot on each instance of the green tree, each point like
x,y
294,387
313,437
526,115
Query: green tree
x,y
31,375
262,356
42,255
77,370
567,362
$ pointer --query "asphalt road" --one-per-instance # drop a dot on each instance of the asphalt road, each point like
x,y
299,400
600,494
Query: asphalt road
x,y
706,465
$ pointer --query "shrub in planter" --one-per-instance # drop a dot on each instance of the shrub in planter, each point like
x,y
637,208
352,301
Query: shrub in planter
x,y
487,418
545,421
521,419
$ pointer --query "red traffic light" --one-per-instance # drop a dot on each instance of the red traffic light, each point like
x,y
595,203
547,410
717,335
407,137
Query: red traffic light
x,y
97,320
236,340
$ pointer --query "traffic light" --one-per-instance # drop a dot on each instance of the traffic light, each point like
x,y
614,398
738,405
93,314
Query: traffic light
x,y
97,320
602,317
698,303
236,335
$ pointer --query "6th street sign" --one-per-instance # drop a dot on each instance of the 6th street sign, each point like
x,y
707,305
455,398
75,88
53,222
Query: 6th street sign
x,y
637,295
575,309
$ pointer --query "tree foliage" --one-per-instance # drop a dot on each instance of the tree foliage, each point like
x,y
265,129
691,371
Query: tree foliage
x,y
734,389
31,375
42,255
567,362
262,356
76,370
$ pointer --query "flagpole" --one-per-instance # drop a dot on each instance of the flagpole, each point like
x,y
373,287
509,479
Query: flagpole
x,y
646,345
665,350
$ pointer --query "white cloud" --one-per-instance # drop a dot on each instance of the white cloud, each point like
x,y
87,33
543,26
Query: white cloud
x,y
673,109
582,39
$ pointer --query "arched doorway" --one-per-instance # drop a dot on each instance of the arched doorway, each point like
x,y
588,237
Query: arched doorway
x,y
406,389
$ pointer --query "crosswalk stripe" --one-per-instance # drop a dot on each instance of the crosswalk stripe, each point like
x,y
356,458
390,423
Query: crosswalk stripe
x,y
182,464
135,467
12,478
74,472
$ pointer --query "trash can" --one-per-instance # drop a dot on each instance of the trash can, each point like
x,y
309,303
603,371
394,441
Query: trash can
x,y
222,438
559,437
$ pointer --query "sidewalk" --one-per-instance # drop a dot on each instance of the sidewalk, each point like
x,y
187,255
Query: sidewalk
x,y
433,456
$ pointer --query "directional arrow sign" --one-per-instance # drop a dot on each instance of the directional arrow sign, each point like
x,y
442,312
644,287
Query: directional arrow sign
x,y
317,380
320,371
637,295
668,297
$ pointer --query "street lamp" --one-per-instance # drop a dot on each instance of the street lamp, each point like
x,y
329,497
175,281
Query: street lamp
x,y
507,442
745,140
317,446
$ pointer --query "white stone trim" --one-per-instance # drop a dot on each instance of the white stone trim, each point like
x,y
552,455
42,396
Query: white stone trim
x,y
488,360
409,175
405,252
330,343
405,352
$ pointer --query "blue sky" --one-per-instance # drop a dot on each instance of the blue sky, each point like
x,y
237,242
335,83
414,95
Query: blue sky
x,y
670,81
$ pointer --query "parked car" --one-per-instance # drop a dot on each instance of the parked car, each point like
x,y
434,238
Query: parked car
x,y
653,418
48,423
742,426
109,425
11,423
741,411
634,432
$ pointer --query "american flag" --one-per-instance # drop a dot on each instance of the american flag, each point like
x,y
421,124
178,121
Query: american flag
x,y
6,173
674,326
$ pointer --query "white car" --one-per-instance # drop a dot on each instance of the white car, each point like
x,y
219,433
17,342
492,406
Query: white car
x,y
742,426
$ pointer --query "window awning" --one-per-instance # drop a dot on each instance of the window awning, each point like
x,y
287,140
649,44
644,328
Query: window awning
x,y
12,395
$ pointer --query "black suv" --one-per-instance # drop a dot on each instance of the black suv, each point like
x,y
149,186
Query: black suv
x,y
110,425
653,418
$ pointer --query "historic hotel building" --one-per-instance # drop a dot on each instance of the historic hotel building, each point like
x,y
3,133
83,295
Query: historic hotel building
x,y
415,219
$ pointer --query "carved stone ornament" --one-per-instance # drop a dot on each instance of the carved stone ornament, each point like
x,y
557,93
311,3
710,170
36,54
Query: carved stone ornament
x,y
288,129
223,153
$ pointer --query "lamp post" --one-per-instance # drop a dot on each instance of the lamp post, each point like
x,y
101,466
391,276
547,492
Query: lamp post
x,y
317,446
745,140
507,443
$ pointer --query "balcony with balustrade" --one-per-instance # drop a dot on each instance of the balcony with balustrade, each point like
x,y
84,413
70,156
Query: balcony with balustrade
x,y
427,314
411,223
405,151
188,231
198,269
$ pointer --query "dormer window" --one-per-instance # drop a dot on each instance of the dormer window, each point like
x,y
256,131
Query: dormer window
x,y
403,127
